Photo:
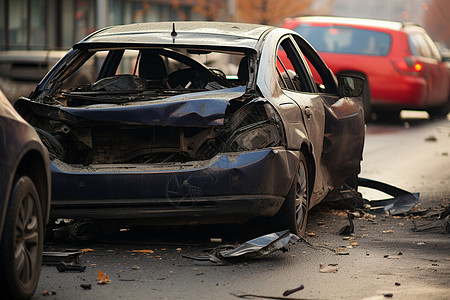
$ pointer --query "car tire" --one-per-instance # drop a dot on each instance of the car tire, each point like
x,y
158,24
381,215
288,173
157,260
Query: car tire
x,y
22,242
389,116
440,111
293,214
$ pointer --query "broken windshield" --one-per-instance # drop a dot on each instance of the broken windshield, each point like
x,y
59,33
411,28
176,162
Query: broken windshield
x,y
126,75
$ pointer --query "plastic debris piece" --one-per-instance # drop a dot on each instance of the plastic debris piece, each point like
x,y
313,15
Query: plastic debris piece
x,y
291,291
401,203
70,267
255,248
86,286
348,229
54,258
263,245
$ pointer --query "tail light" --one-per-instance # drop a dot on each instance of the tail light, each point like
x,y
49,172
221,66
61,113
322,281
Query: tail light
x,y
408,66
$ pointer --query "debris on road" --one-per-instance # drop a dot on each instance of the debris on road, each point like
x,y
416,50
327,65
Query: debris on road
x,y
442,222
349,198
70,267
86,286
102,278
145,251
255,248
330,268
431,138
48,293
401,203
348,229
54,258
294,290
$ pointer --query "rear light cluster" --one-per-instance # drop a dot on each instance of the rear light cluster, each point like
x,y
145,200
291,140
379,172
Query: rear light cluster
x,y
408,66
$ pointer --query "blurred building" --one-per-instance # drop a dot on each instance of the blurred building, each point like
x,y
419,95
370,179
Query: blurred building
x,y
57,24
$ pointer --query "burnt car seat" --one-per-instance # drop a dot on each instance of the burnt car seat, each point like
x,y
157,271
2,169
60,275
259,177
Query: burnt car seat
x,y
153,69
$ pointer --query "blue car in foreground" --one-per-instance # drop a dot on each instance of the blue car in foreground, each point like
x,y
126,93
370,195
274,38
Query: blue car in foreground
x,y
196,122
24,203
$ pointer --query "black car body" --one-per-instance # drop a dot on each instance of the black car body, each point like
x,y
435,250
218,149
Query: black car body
x,y
196,122
24,203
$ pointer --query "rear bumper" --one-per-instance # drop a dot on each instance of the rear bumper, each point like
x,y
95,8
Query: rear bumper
x,y
229,186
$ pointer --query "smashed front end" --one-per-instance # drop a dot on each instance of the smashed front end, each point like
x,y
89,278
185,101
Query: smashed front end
x,y
209,154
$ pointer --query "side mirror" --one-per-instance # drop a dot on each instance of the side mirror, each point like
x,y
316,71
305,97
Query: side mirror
x,y
350,86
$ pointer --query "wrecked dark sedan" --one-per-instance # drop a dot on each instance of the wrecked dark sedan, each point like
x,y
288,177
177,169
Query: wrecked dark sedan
x,y
196,123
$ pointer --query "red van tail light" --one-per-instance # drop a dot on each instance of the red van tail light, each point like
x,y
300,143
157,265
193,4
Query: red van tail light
x,y
407,66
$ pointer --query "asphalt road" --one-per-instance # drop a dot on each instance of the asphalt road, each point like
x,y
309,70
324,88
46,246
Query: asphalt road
x,y
387,259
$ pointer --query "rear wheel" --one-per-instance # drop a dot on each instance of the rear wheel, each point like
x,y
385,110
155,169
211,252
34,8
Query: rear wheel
x,y
440,111
293,214
22,242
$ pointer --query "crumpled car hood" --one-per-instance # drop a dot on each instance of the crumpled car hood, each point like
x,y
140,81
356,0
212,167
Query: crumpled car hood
x,y
194,109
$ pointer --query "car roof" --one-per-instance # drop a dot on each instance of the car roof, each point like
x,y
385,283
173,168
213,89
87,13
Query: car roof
x,y
180,33
369,23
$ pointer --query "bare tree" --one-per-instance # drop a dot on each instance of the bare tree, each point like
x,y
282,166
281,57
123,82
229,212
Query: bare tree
x,y
437,20
269,12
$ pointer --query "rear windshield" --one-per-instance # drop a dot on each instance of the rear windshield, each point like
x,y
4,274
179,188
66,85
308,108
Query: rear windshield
x,y
348,40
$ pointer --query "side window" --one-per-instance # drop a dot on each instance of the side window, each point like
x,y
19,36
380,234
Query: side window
x,y
291,71
324,79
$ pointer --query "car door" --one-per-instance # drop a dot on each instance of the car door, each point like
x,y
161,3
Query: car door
x,y
343,136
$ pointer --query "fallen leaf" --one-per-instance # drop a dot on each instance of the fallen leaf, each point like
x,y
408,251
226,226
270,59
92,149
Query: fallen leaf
x,y
87,250
354,243
331,268
48,293
143,251
311,234
102,278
